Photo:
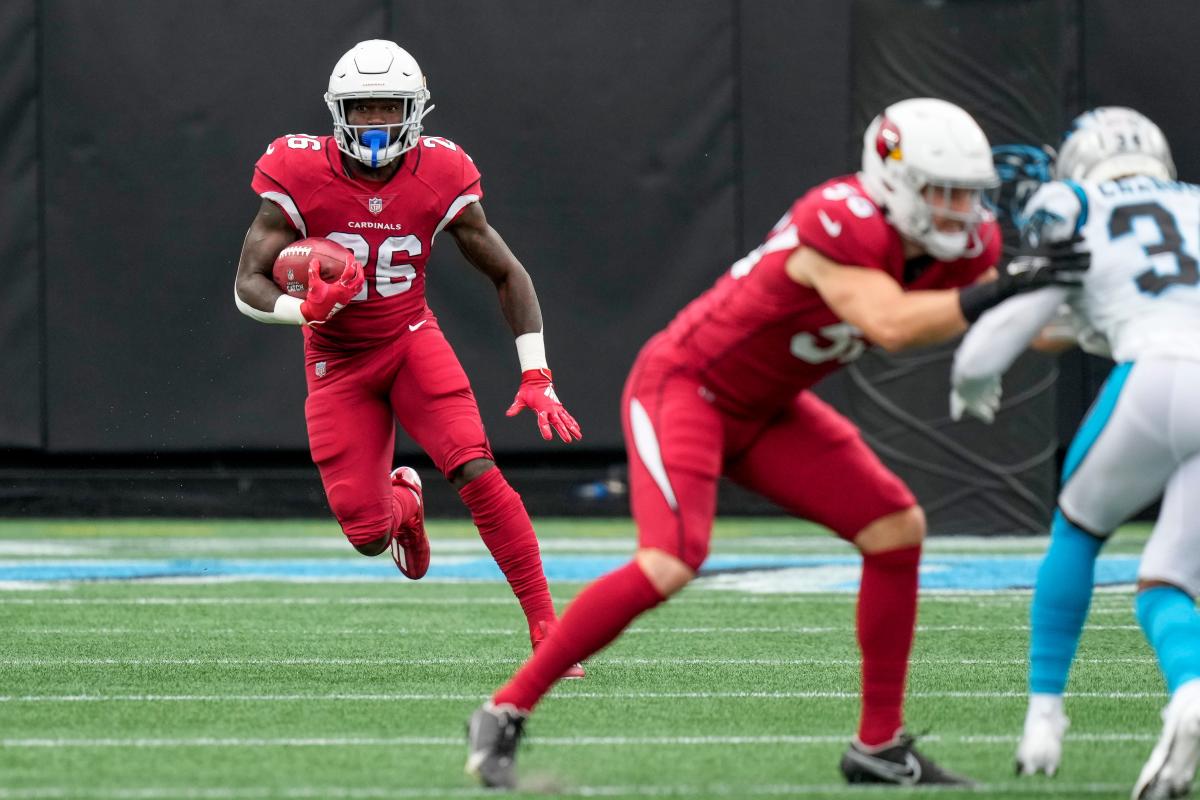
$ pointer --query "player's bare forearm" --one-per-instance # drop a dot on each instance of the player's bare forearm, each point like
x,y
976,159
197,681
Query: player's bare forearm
x,y
254,286
1051,343
487,251
873,302
921,318
267,236
519,302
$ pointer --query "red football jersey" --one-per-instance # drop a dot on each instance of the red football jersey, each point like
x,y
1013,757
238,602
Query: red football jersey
x,y
390,227
757,338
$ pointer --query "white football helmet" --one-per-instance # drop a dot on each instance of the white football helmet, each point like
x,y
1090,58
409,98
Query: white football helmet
x,y
920,148
377,68
1111,142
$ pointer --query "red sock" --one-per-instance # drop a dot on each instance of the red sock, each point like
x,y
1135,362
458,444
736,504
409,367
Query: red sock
x,y
594,618
404,505
887,615
505,528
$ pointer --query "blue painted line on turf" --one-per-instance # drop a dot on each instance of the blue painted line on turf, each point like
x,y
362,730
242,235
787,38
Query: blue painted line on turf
x,y
823,573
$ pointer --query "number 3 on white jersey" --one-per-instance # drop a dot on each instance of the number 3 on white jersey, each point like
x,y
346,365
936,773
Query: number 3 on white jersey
x,y
390,279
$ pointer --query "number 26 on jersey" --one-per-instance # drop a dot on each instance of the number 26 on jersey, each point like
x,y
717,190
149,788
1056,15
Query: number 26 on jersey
x,y
390,278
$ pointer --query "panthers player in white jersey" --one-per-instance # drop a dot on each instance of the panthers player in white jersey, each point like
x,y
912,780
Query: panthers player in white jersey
x,y
1141,300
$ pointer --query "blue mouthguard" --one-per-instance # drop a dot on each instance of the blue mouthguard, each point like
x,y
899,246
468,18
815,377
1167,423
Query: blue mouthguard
x,y
376,140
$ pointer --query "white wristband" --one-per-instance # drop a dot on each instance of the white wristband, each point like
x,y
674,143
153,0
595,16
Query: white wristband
x,y
286,311
531,351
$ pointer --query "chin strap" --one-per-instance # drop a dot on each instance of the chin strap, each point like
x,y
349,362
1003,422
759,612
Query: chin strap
x,y
976,244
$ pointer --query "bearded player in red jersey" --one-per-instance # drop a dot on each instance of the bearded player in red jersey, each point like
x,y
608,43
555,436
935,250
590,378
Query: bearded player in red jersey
x,y
374,352
899,255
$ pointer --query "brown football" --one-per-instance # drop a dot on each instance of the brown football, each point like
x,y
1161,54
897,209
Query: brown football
x,y
291,267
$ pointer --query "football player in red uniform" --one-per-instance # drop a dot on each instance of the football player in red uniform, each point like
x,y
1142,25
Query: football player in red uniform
x,y
374,352
900,254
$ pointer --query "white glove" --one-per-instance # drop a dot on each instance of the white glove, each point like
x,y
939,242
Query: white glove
x,y
979,397
1046,723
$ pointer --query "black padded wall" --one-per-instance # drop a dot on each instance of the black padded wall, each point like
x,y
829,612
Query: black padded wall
x,y
605,134
1146,59
969,477
1009,63
21,305
795,105
146,205
630,152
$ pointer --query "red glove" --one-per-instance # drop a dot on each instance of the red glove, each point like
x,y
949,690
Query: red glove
x,y
326,299
537,393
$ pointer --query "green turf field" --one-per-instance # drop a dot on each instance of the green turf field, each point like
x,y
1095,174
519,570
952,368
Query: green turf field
x,y
270,689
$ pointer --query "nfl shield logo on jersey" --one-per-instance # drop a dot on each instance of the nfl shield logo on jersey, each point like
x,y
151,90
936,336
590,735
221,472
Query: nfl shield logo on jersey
x,y
375,205
320,369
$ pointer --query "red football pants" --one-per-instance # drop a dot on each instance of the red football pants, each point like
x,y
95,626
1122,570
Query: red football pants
x,y
354,401
807,458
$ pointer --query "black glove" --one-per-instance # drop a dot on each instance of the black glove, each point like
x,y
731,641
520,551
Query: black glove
x,y
1035,266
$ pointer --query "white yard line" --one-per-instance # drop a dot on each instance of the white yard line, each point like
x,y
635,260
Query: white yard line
x,y
459,660
572,741
1031,788
783,543
558,695
801,630
258,601
257,631
1115,603
696,598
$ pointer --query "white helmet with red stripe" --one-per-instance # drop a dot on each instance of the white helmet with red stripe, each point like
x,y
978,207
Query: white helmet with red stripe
x,y
914,155
377,69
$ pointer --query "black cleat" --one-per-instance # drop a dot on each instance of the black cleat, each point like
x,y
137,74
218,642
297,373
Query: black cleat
x,y
899,764
492,736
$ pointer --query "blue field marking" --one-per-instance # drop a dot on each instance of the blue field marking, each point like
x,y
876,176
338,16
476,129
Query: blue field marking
x,y
820,573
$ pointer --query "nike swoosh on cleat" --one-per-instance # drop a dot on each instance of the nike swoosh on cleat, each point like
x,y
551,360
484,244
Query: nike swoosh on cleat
x,y
908,772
